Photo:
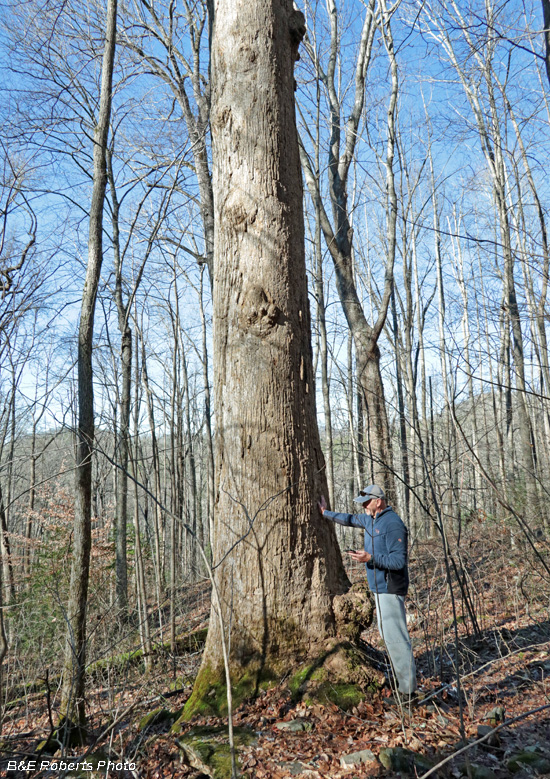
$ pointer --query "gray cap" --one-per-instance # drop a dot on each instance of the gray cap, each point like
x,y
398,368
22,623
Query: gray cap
x,y
370,492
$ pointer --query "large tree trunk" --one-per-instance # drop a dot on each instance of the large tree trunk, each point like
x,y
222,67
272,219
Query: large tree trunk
x,y
72,700
277,564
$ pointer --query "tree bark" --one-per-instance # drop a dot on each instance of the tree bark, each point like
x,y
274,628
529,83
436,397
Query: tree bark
x,y
159,545
123,428
209,532
3,648
140,579
546,18
72,698
277,563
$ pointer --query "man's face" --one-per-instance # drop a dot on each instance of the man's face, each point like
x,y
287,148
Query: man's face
x,y
371,507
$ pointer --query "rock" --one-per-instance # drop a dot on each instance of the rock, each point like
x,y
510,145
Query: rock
x,y
484,730
400,759
66,734
495,716
356,758
210,757
477,771
295,725
97,757
295,768
535,760
207,749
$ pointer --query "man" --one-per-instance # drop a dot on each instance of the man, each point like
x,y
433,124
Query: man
x,y
385,557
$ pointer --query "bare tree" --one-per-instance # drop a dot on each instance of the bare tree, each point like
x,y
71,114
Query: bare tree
x,y
338,233
73,693
184,70
480,83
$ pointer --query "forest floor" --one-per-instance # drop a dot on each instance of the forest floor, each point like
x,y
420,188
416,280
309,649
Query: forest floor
x,y
496,725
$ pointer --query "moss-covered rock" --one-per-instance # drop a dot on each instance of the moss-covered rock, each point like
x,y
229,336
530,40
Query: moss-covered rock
x,y
400,759
297,725
177,684
540,763
190,642
207,749
357,758
475,771
98,758
496,716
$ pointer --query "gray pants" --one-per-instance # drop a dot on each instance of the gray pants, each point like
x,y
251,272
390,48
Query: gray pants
x,y
392,626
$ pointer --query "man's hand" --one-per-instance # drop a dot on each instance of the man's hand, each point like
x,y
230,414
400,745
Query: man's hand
x,y
360,556
322,504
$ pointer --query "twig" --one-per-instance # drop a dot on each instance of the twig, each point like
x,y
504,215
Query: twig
x,y
484,738
485,665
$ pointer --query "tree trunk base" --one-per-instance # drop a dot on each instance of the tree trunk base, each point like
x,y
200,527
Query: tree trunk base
x,y
337,671
341,674
67,734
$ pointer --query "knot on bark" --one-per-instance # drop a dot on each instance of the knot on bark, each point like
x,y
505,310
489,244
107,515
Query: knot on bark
x,y
240,216
297,28
353,611
258,313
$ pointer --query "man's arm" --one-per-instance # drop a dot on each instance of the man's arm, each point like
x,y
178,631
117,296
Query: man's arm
x,y
348,520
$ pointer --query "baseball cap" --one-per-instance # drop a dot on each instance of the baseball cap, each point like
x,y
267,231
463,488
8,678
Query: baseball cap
x,y
370,492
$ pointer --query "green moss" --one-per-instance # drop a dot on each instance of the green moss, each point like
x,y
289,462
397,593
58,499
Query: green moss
x,y
309,673
118,661
269,682
299,678
404,761
177,684
67,733
206,748
216,756
339,674
190,642
538,762
209,696
345,696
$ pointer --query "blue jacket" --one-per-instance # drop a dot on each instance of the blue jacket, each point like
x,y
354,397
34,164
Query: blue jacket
x,y
386,540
